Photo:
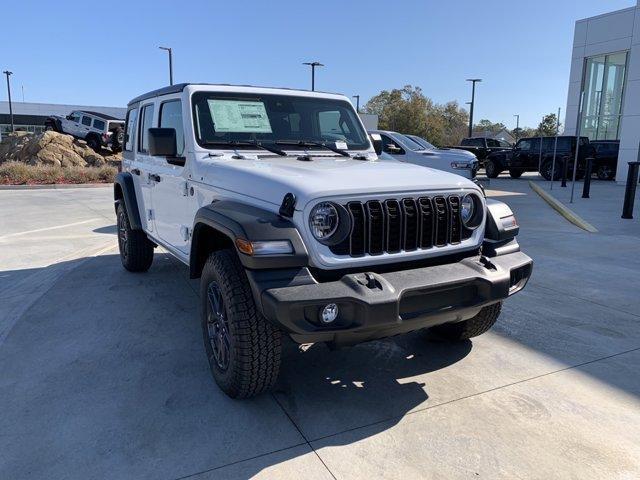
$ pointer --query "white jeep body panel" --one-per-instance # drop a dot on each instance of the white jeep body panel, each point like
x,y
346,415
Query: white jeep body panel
x,y
260,178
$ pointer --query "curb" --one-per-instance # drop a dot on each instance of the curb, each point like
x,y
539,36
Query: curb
x,y
54,186
562,209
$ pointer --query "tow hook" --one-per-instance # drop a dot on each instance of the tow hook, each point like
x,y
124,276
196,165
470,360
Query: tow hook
x,y
486,263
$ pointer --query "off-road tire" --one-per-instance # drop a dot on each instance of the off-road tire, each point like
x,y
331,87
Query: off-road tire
x,y
491,169
547,166
136,250
515,173
117,138
473,327
605,172
93,142
254,343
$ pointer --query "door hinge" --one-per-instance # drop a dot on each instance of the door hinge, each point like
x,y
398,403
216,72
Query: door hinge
x,y
185,232
149,214
185,189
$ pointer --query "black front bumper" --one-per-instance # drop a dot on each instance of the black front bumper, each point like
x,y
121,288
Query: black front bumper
x,y
375,305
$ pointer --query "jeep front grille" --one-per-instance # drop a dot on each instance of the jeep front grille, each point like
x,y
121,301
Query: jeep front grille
x,y
392,226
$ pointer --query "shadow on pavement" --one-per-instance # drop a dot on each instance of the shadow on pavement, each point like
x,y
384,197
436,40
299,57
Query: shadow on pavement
x,y
105,376
112,229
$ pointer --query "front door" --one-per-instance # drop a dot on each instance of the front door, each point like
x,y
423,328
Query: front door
x,y
171,190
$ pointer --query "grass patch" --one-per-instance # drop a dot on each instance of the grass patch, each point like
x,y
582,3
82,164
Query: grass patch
x,y
17,173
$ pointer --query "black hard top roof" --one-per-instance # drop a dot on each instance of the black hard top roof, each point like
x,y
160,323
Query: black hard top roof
x,y
179,87
101,115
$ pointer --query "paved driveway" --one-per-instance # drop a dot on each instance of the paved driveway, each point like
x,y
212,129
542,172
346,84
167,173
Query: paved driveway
x,y
103,375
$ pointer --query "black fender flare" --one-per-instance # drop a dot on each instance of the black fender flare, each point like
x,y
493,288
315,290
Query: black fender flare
x,y
236,220
124,191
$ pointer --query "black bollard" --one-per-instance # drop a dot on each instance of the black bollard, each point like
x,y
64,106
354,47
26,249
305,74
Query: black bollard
x,y
630,191
587,178
565,165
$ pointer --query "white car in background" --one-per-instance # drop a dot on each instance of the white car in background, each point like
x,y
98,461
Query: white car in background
x,y
402,148
429,146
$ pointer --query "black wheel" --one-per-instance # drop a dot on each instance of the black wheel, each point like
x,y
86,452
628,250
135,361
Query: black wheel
x,y
547,168
136,250
515,173
473,327
605,172
93,142
242,347
117,140
491,168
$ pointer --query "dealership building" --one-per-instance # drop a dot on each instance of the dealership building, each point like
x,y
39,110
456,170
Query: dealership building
x,y
603,102
30,117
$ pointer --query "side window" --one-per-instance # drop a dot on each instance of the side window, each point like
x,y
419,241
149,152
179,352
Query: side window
x,y
478,142
74,117
132,115
391,147
524,145
548,143
86,121
564,144
465,142
99,124
535,144
171,117
145,123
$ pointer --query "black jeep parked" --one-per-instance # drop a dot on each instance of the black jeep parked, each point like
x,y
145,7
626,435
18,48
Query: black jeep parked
x,y
526,156
606,161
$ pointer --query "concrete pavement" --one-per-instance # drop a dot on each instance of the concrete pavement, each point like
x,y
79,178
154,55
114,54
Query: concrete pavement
x,y
104,375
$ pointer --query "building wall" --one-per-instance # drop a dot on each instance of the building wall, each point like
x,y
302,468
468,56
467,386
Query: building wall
x,y
604,34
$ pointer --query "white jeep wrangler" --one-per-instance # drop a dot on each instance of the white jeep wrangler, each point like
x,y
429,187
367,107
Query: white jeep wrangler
x,y
97,129
276,200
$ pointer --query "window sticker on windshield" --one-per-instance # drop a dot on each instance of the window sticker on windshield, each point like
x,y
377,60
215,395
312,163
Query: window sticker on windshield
x,y
341,145
239,116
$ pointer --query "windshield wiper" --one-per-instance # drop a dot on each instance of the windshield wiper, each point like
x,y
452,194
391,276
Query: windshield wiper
x,y
308,143
247,143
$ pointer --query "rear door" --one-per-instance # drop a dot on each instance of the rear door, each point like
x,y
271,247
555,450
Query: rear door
x,y
85,126
141,167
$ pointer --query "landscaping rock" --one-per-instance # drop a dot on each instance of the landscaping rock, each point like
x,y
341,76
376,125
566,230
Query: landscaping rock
x,y
53,148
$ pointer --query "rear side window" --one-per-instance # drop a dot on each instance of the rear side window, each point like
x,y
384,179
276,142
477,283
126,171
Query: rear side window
x,y
132,115
146,122
86,121
171,117
99,124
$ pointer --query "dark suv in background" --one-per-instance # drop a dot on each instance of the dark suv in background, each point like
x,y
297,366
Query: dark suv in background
x,y
606,158
527,155
482,147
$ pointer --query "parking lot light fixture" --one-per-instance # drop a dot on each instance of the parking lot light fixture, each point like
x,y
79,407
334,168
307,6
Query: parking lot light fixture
x,y
8,73
473,100
168,49
313,66
357,97
517,130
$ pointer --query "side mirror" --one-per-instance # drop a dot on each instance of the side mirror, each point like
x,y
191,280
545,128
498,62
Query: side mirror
x,y
163,143
394,149
68,117
376,140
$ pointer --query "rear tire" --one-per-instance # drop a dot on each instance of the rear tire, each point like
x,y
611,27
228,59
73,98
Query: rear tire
x,y
243,348
547,167
515,173
136,250
473,327
605,172
491,169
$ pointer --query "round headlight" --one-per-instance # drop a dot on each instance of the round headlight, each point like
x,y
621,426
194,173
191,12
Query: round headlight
x,y
323,221
467,209
471,211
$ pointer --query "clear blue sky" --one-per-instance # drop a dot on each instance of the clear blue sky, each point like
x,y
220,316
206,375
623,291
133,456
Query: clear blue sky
x,y
106,53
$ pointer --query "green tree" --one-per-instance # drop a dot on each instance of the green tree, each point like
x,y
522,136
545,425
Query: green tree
x,y
547,127
486,125
408,110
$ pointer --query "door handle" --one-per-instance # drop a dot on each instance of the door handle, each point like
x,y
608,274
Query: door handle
x,y
135,171
154,177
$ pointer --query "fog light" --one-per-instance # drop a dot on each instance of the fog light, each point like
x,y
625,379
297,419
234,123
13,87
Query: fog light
x,y
329,313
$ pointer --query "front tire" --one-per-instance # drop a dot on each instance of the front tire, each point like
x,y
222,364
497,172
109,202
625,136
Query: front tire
x,y
473,327
491,169
93,142
243,348
605,172
136,250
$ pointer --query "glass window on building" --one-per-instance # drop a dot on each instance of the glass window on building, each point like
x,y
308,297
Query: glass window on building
x,y
603,90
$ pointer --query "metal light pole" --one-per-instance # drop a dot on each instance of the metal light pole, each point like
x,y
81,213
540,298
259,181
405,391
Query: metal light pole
x,y
473,100
313,66
517,125
555,150
168,49
357,97
8,73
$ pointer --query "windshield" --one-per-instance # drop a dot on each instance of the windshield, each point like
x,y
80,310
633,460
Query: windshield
x,y
221,118
413,144
423,142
